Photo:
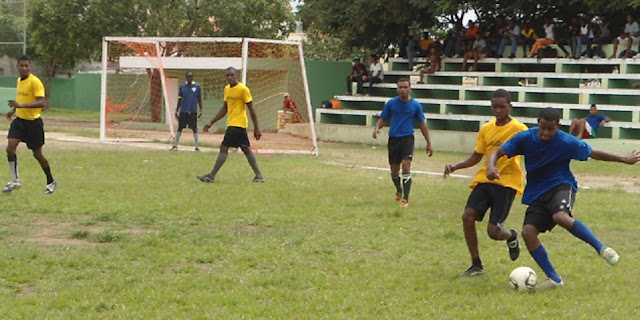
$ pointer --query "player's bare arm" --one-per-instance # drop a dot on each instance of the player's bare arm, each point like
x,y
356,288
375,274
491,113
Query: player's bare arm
x,y
178,107
471,161
376,130
425,132
256,128
201,112
492,171
40,103
631,158
220,115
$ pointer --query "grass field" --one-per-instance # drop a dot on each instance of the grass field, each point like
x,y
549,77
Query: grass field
x,y
131,234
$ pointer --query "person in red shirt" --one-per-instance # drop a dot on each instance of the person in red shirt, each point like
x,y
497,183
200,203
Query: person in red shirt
x,y
357,74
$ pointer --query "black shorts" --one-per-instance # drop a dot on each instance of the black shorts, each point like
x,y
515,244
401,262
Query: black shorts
x,y
540,212
188,120
236,137
400,149
494,196
29,131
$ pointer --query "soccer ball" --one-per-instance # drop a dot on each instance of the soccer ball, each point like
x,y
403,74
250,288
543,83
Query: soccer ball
x,y
523,279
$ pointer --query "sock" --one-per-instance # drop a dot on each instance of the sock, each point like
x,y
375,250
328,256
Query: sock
x,y
222,157
396,182
178,134
406,185
13,167
476,262
253,162
47,171
580,231
514,235
195,138
541,257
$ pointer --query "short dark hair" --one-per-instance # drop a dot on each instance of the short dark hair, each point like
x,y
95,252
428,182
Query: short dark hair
x,y
549,114
373,55
502,93
24,57
593,105
404,80
232,69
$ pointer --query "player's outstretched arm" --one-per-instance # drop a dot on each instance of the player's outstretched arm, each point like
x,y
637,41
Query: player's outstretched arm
x,y
492,171
256,128
473,159
376,130
631,158
425,132
220,115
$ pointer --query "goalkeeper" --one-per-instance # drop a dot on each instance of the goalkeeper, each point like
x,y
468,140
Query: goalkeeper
x,y
189,98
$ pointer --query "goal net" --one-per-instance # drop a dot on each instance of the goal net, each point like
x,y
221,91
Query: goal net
x,y
141,78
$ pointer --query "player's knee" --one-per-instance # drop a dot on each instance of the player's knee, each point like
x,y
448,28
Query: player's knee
x,y
529,232
494,231
469,216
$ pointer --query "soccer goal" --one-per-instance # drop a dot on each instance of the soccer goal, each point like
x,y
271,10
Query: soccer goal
x,y
141,77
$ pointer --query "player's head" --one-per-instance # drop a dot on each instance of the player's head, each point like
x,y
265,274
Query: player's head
x,y
24,66
231,75
404,88
548,123
593,110
501,104
189,76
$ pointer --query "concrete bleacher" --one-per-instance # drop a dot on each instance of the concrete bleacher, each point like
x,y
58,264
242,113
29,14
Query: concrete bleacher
x,y
460,101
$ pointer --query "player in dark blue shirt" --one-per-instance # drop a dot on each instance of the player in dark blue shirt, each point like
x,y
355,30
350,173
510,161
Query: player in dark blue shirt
x,y
189,98
402,111
588,127
551,187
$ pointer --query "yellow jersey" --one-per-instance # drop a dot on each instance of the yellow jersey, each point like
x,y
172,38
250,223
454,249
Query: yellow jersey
x,y
28,91
237,98
490,138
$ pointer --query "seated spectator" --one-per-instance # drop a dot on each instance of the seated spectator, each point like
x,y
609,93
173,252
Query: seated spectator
x,y
627,38
357,74
603,35
511,35
470,36
434,64
424,45
411,46
478,51
585,37
493,35
569,36
454,41
549,37
376,72
528,38
588,127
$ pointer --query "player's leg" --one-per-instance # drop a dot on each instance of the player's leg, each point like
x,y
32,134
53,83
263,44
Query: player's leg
x,y
12,146
573,126
397,181
407,147
501,200
469,218
193,124
196,138
35,141
253,162
230,140
181,124
394,148
44,164
581,126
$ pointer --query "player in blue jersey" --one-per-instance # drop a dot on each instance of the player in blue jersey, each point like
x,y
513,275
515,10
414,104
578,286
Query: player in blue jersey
x,y
588,127
189,98
402,111
551,187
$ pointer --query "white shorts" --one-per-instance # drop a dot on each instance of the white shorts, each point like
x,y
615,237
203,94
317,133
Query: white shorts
x,y
625,41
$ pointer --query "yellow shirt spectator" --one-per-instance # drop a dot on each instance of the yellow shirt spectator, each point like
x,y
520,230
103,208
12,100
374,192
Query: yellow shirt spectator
x,y
490,137
424,44
529,33
28,91
237,98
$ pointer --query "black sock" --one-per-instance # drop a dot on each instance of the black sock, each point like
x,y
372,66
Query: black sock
x,y
476,262
396,182
406,185
47,171
514,235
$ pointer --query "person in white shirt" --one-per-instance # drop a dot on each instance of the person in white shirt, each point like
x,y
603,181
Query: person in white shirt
x,y
630,36
511,36
585,37
376,72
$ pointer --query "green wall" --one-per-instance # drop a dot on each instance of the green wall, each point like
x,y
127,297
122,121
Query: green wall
x,y
326,79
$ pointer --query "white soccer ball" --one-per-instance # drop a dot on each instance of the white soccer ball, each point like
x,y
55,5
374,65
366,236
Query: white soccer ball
x,y
523,279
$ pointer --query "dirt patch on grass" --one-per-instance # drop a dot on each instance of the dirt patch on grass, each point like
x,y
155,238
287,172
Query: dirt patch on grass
x,y
628,183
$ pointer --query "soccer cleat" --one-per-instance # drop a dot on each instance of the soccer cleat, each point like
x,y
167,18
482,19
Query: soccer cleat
x,y
404,203
610,255
197,149
51,187
550,284
174,148
205,178
258,179
398,196
13,185
514,248
473,271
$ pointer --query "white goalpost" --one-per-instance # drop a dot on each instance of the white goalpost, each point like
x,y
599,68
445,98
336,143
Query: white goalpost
x,y
141,76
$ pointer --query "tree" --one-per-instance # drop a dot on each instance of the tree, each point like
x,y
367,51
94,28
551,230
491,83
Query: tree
x,y
11,28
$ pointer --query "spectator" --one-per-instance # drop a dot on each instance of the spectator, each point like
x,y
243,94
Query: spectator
x,y
528,38
470,36
424,45
585,37
376,72
587,127
411,47
569,37
627,38
358,73
549,37
435,64
495,35
511,35
602,36
455,38
478,51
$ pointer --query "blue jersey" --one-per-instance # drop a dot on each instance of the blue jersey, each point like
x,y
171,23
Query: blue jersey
x,y
594,121
402,115
190,94
547,163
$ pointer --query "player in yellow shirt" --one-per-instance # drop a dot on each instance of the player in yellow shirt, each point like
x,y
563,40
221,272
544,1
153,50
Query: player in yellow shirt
x,y
27,126
495,194
237,100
